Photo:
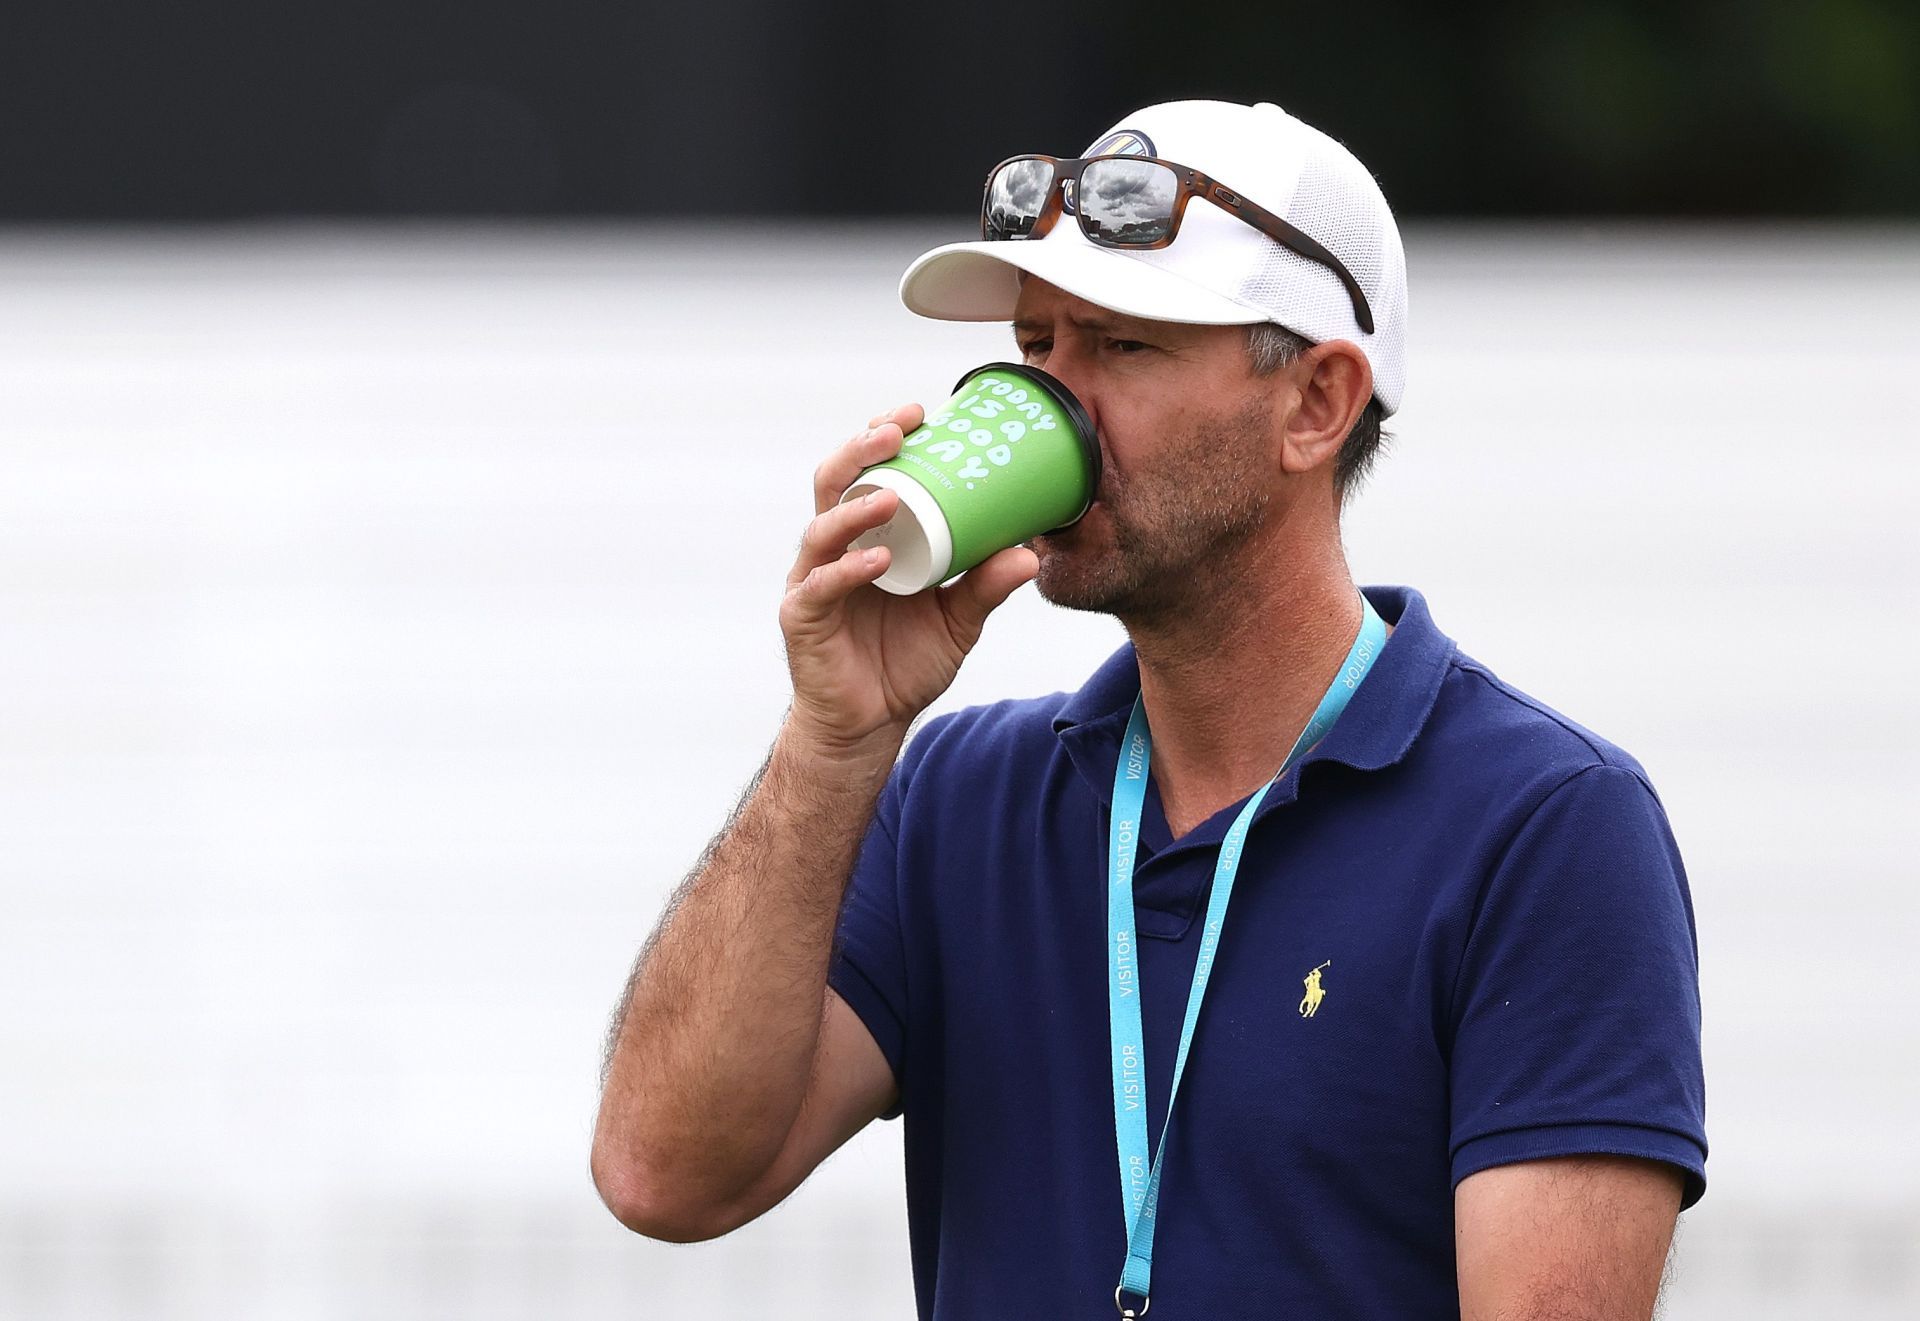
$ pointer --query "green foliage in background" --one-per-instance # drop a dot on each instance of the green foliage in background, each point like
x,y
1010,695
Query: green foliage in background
x,y
1782,107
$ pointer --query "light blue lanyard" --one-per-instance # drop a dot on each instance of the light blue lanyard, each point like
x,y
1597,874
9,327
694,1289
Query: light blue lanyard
x,y
1139,1179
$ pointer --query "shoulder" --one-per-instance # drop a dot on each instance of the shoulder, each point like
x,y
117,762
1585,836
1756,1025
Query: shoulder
x,y
997,760
1505,775
984,736
1516,744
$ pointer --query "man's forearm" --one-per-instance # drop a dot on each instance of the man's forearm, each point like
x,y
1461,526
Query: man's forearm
x,y
712,1050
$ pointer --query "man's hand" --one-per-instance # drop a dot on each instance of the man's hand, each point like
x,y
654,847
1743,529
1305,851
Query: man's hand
x,y
865,664
1575,1238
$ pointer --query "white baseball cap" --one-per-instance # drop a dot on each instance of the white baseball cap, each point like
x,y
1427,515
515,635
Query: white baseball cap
x,y
1219,270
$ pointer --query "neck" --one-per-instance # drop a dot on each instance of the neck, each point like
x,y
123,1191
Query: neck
x,y
1231,680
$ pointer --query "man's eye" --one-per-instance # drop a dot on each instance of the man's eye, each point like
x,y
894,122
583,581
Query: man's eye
x,y
1122,345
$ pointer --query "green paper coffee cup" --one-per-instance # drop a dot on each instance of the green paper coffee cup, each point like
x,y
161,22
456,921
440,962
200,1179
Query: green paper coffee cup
x,y
1010,456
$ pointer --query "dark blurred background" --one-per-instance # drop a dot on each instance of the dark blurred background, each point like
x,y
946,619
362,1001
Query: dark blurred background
x,y
203,110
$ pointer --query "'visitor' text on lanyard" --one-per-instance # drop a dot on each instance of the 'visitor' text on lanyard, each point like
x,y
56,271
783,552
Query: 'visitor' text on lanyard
x,y
1139,1178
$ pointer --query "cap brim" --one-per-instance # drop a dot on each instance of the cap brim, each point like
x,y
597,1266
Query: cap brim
x,y
976,282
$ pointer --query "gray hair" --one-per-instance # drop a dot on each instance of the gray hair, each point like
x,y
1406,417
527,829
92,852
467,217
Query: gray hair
x,y
1270,347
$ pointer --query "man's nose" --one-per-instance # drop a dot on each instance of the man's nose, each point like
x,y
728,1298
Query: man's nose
x,y
1073,367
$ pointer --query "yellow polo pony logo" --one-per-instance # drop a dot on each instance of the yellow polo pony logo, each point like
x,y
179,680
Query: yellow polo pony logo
x,y
1310,1002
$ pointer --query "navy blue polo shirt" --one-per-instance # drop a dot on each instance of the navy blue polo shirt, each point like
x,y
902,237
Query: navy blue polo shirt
x,y
1509,971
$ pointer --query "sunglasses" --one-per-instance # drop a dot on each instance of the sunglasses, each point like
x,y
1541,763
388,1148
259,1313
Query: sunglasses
x,y
1133,203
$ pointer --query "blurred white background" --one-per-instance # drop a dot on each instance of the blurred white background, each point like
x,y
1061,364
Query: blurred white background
x,y
387,618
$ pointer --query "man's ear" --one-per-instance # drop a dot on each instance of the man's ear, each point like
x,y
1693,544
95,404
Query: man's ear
x,y
1335,380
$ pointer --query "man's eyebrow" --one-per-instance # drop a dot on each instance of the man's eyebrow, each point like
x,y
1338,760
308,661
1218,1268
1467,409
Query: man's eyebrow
x,y
1086,323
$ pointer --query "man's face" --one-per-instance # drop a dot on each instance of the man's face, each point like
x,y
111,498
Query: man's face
x,y
1187,446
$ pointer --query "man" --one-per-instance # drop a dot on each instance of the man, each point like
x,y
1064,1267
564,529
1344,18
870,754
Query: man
x,y
1489,1102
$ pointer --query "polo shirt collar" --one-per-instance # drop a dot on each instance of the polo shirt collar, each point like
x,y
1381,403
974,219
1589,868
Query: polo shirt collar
x,y
1377,728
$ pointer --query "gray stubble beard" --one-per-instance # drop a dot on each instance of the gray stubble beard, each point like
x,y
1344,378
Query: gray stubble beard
x,y
1176,541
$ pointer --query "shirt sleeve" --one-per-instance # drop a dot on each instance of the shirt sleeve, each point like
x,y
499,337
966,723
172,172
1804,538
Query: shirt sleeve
x,y
1576,1014
868,968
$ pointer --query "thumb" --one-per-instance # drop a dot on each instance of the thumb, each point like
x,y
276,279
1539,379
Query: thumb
x,y
981,590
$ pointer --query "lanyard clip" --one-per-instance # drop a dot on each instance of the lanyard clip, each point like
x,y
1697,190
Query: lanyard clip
x,y
1127,1313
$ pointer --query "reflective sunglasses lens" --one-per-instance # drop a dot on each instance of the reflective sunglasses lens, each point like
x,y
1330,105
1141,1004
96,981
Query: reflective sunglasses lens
x,y
1016,195
1127,202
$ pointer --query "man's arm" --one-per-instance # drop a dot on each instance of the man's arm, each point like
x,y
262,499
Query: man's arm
x,y
733,1070
1574,1238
